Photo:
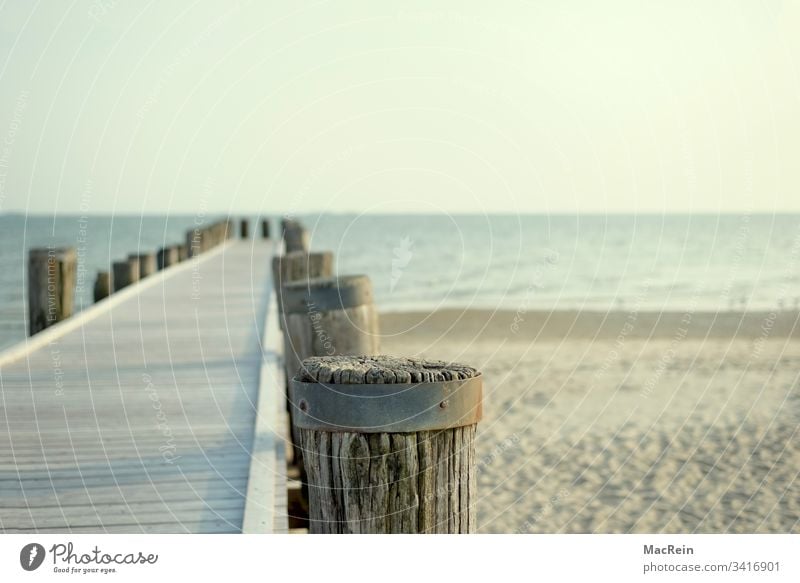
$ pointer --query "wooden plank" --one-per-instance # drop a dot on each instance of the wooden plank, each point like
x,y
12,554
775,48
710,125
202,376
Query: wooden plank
x,y
79,436
264,511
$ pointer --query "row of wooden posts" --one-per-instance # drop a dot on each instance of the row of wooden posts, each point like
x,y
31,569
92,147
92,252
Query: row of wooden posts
x,y
52,271
383,444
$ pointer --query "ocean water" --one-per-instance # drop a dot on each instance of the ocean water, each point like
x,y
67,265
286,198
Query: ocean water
x,y
528,262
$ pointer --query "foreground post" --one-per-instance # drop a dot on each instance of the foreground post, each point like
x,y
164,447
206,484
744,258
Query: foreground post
x,y
51,286
125,273
102,285
388,444
147,263
183,253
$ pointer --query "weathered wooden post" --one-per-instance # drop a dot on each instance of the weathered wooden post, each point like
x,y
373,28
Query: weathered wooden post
x,y
167,256
245,229
388,443
299,266
295,236
194,242
146,262
125,273
325,317
102,285
328,316
264,229
51,286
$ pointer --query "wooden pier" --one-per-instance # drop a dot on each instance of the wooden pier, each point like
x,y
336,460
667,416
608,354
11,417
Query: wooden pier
x,y
159,409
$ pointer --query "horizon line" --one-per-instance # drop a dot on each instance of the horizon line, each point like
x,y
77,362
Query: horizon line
x,y
275,214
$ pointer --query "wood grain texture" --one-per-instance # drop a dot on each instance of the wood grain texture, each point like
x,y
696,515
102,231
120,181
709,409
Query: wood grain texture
x,y
142,418
423,482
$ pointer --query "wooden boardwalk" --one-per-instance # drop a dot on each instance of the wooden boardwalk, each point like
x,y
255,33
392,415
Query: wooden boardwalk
x,y
140,413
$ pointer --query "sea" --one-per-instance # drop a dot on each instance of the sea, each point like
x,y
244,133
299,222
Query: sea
x,y
684,262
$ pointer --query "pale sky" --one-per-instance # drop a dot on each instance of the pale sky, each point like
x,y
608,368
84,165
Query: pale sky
x,y
535,107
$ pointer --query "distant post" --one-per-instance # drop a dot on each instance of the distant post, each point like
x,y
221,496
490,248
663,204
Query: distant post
x,y
146,262
245,229
299,266
183,253
125,273
167,256
328,316
264,229
295,236
51,286
388,444
102,285
194,242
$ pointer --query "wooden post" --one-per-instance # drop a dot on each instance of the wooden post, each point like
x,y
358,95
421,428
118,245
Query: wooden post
x,y
299,266
167,256
183,254
102,285
328,316
245,229
146,262
194,242
51,286
125,273
388,444
295,237
264,229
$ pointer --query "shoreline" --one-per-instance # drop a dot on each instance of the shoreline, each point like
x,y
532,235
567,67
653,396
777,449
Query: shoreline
x,y
460,323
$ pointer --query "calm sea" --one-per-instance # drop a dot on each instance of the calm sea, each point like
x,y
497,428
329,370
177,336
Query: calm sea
x,y
652,262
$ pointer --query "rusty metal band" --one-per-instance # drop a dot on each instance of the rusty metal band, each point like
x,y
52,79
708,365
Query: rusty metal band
x,y
386,408
305,297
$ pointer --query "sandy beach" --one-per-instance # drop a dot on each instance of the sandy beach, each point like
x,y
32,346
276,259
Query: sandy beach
x,y
627,422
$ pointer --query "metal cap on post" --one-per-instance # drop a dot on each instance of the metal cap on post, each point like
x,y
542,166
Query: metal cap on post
x,y
388,443
299,266
327,316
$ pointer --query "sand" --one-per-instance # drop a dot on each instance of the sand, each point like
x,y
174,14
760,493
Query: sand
x,y
628,423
